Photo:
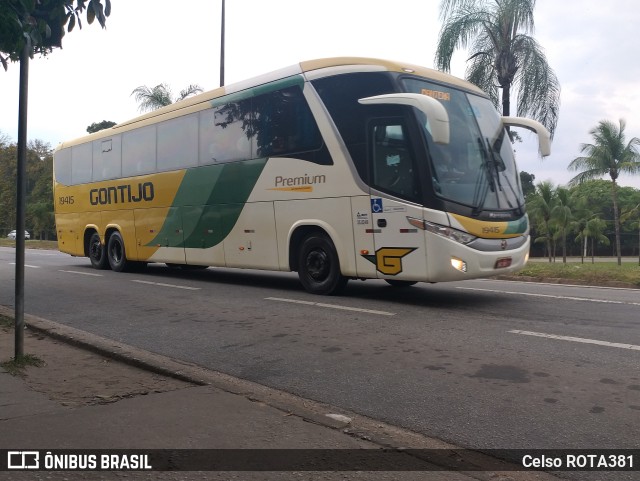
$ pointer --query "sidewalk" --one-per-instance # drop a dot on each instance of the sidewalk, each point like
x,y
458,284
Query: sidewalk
x,y
95,393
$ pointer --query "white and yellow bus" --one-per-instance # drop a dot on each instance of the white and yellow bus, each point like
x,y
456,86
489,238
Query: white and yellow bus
x,y
344,168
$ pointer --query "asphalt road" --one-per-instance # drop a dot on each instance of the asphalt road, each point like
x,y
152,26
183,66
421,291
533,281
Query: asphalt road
x,y
481,364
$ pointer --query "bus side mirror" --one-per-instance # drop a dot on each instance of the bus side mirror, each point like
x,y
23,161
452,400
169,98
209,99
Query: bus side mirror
x,y
544,138
434,110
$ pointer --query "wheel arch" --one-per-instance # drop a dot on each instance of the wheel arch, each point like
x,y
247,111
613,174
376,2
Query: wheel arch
x,y
89,230
301,230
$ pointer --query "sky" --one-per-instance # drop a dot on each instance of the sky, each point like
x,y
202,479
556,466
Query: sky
x,y
590,44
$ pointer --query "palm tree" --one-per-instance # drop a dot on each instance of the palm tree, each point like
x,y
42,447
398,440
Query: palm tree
x,y
594,230
630,214
609,154
562,216
502,55
160,96
540,208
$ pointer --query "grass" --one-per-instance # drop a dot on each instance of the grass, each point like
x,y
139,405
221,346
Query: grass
x,y
599,273
31,244
14,366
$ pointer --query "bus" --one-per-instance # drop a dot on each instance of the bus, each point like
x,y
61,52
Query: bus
x,y
337,169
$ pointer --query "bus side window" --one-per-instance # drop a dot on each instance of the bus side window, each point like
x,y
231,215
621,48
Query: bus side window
x,y
392,168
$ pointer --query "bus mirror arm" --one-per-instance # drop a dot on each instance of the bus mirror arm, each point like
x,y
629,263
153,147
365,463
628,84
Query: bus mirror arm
x,y
434,110
544,138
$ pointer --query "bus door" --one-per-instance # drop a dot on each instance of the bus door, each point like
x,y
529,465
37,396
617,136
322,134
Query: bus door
x,y
395,194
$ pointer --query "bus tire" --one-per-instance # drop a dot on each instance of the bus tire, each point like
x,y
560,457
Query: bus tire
x,y
97,252
116,253
319,266
398,283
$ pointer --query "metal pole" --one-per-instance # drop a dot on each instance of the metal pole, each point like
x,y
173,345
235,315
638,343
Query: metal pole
x,y
222,47
21,201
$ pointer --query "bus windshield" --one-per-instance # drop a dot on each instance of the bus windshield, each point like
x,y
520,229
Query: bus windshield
x,y
477,168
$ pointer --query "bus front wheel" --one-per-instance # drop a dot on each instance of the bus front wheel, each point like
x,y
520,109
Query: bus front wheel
x,y
319,266
116,253
97,252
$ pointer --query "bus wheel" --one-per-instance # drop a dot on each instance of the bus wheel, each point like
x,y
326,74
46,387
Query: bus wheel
x,y
319,267
97,252
397,283
116,254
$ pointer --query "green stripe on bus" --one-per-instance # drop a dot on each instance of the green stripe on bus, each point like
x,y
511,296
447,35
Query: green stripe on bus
x,y
517,226
210,200
296,80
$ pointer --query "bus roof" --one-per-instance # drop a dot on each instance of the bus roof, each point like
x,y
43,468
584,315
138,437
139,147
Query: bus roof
x,y
313,68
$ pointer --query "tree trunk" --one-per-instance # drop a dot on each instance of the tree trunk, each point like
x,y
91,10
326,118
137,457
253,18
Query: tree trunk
x,y
616,218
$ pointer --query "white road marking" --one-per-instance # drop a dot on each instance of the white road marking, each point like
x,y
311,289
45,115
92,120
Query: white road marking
x,y
83,273
26,265
167,285
569,298
331,306
578,339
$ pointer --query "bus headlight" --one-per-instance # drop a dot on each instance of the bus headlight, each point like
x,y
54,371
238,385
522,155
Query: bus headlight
x,y
459,264
442,230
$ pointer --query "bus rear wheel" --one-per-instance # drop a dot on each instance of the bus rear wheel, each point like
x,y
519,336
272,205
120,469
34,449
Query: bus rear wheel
x,y
116,253
97,252
319,266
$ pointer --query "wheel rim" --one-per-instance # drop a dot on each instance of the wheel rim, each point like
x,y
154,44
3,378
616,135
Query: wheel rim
x,y
318,265
95,250
116,252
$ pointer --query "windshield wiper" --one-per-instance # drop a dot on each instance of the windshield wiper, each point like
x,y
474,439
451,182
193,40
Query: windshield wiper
x,y
482,188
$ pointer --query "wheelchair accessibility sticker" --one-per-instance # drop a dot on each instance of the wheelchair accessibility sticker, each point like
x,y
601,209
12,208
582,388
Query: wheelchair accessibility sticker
x,y
376,206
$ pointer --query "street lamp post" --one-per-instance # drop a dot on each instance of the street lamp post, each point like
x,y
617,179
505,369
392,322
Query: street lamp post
x,y
222,47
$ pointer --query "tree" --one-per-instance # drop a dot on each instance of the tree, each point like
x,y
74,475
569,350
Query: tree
x,y
562,216
630,214
526,180
160,96
28,27
609,154
594,231
502,55
98,126
41,25
541,209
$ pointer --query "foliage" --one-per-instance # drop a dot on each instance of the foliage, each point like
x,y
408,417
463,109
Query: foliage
x,y
39,215
41,24
609,154
526,180
502,55
98,126
160,96
16,367
598,273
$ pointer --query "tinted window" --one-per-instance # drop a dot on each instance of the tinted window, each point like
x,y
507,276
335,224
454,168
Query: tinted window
x,y
81,163
62,164
277,123
106,158
225,134
178,143
340,95
139,151
393,165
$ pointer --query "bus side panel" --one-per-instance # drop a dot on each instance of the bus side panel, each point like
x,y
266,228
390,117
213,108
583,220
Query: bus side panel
x,y
123,221
364,241
168,247
202,228
68,234
252,242
333,215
